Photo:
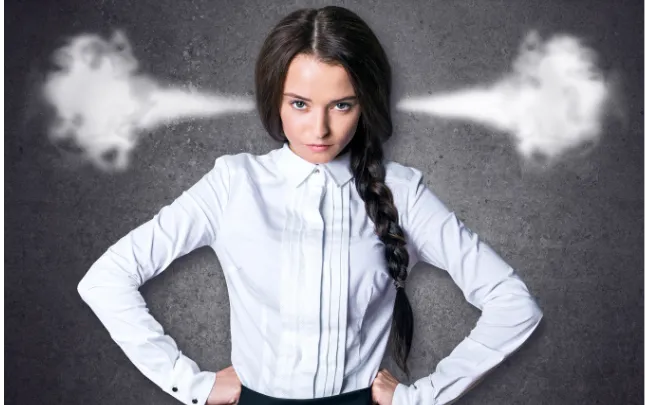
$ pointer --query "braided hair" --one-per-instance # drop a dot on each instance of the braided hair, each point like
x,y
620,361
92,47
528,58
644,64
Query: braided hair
x,y
367,164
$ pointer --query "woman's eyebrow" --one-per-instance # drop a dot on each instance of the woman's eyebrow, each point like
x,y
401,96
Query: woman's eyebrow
x,y
308,99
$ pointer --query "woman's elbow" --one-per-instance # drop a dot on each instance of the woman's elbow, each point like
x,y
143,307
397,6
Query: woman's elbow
x,y
104,277
537,312
86,285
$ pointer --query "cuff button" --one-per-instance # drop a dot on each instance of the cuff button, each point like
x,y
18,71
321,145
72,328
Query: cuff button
x,y
174,389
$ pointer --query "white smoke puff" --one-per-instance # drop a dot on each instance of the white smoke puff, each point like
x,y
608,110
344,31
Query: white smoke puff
x,y
553,101
102,103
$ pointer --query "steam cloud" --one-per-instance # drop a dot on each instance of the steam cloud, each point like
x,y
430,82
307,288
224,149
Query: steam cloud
x,y
554,100
102,103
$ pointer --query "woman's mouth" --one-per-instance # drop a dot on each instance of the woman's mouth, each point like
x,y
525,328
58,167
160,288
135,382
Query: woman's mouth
x,y
318,148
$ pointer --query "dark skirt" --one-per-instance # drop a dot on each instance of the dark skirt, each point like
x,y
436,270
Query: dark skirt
x,y
357,397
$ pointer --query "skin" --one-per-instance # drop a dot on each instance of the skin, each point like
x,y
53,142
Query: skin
x,y
325,119
314,110
383,387
226,389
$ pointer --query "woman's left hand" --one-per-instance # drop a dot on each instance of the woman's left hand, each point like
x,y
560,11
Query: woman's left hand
x,y
383,387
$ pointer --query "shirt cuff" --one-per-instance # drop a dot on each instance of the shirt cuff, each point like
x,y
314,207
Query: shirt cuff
x,y
420,392
400,395
188,384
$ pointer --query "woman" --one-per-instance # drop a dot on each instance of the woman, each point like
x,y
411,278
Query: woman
x,y
316,239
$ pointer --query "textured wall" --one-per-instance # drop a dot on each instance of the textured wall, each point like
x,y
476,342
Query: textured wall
x,y
574,234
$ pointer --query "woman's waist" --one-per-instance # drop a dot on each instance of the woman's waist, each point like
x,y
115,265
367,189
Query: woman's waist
x,y
358,396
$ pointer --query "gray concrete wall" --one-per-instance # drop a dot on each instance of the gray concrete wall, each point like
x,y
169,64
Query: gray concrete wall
x,y
575,233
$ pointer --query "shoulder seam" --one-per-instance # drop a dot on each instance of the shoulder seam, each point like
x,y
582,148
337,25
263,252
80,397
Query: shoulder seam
x,y
411,173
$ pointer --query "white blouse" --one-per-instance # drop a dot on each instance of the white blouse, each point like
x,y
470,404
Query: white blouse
x,y
310,296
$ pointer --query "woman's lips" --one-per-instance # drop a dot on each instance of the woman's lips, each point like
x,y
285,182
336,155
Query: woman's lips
x,y
318,148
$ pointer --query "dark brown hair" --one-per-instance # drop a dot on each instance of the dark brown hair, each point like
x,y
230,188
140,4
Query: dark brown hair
x,y
337,36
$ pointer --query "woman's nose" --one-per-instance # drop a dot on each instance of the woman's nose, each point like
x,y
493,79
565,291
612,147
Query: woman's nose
x,y
321,124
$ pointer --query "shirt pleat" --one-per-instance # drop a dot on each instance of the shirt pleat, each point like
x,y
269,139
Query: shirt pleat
x,y
335,295
343,268
328,285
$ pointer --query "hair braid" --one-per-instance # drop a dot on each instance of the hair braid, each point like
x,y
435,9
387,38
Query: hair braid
x,y
379,204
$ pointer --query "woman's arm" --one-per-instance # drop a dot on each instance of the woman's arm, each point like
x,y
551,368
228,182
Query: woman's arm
x,y
110,287
509,313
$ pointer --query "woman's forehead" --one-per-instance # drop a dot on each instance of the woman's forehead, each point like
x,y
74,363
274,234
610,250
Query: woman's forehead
x,y
310,78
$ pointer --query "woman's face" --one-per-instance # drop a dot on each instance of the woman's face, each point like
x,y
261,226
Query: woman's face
x,y
318,107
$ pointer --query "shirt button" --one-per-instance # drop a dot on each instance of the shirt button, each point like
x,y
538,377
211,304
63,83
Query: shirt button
x,y
174,389
195,401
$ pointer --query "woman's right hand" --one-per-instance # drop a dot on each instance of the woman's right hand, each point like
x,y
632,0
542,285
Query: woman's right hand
x,y
226,389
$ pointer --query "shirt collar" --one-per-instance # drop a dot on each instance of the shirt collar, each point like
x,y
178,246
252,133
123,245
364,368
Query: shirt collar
x,y
296,169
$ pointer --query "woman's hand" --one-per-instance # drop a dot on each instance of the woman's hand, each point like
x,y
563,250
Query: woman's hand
x,y
226,389
383,387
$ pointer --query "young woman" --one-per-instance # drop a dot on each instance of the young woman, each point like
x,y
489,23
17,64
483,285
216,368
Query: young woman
x,y
316,239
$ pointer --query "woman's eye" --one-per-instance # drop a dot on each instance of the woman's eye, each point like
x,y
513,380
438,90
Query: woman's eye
x,y
346,107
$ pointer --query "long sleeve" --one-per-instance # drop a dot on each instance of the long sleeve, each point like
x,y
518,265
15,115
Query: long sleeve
x,y
509,314
111,285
